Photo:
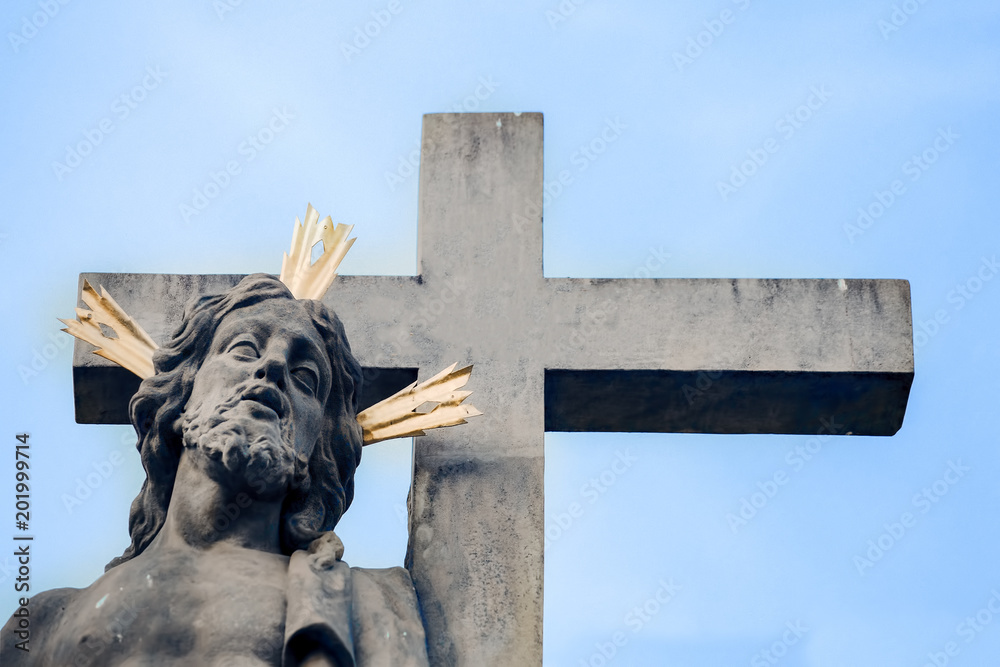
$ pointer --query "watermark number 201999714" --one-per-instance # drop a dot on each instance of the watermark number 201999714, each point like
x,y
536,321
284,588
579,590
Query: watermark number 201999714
x,y
22,541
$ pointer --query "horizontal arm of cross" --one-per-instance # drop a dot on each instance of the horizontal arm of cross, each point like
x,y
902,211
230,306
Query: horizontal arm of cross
x,y
662,355
727,355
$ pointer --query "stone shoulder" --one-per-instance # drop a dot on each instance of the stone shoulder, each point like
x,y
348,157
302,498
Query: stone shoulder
x,y
45,612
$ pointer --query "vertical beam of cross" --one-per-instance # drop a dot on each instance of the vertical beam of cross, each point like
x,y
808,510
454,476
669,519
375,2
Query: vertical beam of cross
x,y
476,538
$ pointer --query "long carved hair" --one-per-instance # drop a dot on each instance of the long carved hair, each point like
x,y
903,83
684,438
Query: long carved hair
x,y
156,411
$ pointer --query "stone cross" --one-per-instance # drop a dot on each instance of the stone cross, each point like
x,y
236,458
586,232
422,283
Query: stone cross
x,y
554,354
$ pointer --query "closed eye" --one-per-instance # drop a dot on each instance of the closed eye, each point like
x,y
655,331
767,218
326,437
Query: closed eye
x,y
244,349
307,378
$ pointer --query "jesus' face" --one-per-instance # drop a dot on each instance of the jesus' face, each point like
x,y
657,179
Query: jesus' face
x,y
256,409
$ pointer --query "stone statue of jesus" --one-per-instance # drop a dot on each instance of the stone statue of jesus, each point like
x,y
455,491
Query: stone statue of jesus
x,y
249,439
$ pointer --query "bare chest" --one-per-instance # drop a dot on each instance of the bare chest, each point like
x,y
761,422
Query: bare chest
x,y
211,609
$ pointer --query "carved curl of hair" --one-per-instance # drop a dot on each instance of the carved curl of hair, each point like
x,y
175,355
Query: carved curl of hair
x,y
156,411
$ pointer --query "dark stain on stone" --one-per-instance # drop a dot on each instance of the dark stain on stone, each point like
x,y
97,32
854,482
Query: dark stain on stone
x,y
473,151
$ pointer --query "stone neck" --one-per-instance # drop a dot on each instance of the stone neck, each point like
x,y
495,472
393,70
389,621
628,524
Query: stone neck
x,y
204,512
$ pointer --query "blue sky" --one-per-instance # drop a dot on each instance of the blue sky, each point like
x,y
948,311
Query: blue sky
x,y
887,107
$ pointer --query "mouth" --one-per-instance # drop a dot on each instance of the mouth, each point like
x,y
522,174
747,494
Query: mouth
x,y
267,398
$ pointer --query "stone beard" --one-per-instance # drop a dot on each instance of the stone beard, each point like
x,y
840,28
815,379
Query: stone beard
x,y
249,437
233,437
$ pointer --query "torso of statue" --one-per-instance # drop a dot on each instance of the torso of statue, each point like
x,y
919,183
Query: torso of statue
x,y
218,607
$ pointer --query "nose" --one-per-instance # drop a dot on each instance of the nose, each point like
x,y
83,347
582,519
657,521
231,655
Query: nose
x,y
272,367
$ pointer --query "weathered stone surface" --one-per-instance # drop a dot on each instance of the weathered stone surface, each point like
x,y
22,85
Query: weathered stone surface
x,y
388,628
475,553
